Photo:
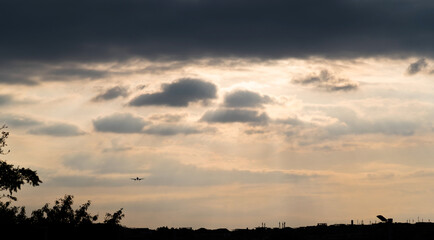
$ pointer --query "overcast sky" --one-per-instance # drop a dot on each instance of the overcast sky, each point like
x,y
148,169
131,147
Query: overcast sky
x,y
235,112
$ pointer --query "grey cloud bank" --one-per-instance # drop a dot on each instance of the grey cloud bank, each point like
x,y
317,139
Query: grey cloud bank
x,y
245,98
235,115
119,30
178,94
111,93
57,130
170,130
328,82
75,73
417,66
119,123
18,121
170,118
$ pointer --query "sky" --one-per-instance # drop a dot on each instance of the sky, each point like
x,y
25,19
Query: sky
x,y
234,112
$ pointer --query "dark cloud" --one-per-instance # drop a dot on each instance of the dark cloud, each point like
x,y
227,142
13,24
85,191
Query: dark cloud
x,y
34,73
417,66
170,130
119,123
235,115
57,130
178,94
111,93
116,30
328,82
68,73
162,67
18,121
7,77
244,98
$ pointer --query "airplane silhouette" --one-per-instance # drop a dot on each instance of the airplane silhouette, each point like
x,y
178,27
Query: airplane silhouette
x,y
137,179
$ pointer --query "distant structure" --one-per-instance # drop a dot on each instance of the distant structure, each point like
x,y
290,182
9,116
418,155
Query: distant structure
x,y
385,220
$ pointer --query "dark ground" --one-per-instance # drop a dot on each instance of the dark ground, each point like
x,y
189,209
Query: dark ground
x,y
381,231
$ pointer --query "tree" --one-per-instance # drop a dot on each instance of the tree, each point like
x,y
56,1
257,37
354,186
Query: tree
x,y
12,178
63,213
12,214
115,218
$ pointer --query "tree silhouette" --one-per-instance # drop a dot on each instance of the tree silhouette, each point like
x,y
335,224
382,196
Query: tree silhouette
x,y
63,213
12,214
12,178
115,218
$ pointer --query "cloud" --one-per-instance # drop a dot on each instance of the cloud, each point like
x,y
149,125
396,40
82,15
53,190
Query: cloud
x,y
245,98
33,73
417,66
170,130
57,130
107,163
293,121
18,121
5,99
225,28
119,123
235,115
117,147
15,76
254,131
74,73
83,181
171,173
170,118
178,94
351,123
328,82
111,93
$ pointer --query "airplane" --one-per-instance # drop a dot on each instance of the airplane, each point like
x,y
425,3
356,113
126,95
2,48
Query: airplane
x,y
137,179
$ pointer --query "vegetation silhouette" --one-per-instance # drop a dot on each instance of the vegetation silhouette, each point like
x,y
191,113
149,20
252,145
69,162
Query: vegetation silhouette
x,y
58,222
12,178
63,213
